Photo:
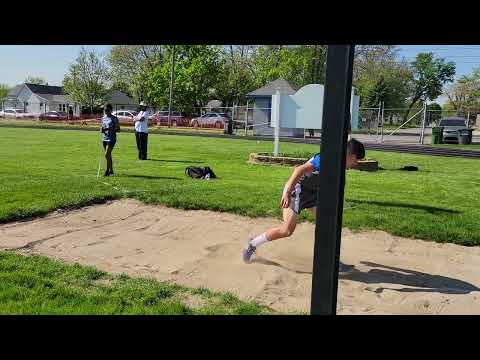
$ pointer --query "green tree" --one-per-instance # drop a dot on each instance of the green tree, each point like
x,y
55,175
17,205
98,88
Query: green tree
x,y
35,80
434,112
430,74
131,65
4,89
87,81
197,69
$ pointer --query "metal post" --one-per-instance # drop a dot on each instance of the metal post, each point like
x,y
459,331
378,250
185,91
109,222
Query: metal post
x,y
378,119
246,118
275,121
424,119
336,112
468,118
171,85
383,121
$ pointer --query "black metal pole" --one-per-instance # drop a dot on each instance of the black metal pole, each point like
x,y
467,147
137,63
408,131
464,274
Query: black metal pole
x,y
336,110
171,85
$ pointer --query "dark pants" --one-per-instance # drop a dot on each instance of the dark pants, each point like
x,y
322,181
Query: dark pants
x,y
142,141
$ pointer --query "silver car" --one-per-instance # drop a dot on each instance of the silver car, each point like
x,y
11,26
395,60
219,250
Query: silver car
x,y
453,127
217,120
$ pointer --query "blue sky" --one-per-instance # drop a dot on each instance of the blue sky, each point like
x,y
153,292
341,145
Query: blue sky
x,y
51,61
46,61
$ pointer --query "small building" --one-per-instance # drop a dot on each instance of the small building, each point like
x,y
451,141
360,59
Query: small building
x,y
262,99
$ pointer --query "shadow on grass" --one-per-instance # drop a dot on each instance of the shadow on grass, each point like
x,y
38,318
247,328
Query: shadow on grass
x,y
178,161
429,209
416,280
150,177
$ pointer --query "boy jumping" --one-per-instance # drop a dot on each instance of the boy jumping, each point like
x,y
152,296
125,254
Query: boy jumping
x,y
300,192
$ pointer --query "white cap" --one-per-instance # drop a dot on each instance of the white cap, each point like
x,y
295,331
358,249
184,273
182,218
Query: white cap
x,y
142,103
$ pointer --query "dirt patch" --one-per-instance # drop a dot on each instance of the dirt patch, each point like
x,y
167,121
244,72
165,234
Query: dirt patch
x,y
380,273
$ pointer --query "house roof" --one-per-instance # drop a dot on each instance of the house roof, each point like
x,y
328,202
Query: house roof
x,y
45,89
15,91
285,87
120,98
55,98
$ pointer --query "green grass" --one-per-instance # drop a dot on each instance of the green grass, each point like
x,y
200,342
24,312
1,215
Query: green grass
x,y
37,285
43,170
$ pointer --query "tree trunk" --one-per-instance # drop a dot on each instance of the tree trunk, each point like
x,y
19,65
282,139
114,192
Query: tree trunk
x,y
415,99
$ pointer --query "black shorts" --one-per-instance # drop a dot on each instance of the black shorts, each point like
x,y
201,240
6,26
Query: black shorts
x,y
302,198
111,143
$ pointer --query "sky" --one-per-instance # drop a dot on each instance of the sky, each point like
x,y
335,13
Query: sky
x,y
51,62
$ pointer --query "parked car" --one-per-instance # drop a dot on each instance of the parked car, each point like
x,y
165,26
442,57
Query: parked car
x,y
453,127
16,113
217,120
125,116
54,115
176,119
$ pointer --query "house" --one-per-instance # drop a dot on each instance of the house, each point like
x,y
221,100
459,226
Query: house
x,y
262,99
40,99
121,101
263,104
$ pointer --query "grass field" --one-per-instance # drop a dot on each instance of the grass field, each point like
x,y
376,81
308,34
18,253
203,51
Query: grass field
x,y
43,170
37,285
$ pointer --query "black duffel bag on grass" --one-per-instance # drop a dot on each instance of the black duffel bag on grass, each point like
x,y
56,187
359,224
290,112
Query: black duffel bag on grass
x,y
200,173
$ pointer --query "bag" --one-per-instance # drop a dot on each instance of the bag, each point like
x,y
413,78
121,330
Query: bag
x,y
200,173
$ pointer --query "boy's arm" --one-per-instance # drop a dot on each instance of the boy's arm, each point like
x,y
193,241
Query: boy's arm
x,y
298,172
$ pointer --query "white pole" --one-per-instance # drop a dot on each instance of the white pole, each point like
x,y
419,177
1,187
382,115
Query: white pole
x,y
424,119
275,114
383,120
246,118
378,120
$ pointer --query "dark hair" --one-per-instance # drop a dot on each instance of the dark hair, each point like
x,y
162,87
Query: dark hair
x,y
356,148
109,106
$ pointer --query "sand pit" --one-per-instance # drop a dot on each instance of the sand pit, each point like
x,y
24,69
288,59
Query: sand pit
x,y
380,273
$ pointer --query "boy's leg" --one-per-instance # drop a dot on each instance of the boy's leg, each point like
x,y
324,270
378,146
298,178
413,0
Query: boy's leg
x,y
285,230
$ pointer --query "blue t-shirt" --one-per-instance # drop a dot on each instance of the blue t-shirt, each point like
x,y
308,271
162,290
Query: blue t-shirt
x,y
109,128
315,161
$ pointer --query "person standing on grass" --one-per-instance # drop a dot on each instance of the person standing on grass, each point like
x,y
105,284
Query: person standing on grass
x,y
141,131
109,128
300,192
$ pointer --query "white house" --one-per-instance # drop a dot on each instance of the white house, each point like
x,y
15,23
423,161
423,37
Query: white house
x,y
39,99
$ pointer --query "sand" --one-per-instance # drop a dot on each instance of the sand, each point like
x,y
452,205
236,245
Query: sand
x,y
380,273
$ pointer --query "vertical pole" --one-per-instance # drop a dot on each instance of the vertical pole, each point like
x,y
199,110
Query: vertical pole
x,y
171,85
275,121
424,119
468,118
336,112
378,119
383,121
246,118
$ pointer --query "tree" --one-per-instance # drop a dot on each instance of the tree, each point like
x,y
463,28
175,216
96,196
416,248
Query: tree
x,y
131,65
87,81
430,74
197,69
434,112
464,95
35,80
3,91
